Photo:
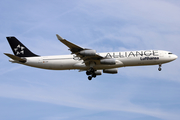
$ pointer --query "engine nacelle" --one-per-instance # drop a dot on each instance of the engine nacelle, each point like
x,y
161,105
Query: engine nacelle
x,y
98,72
108,61
111,71
88,52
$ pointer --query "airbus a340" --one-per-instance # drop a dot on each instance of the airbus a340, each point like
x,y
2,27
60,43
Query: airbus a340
x,y
87,59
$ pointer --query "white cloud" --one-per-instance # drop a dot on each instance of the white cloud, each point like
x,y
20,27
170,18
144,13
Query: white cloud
x,y
3,71
71,98
151,11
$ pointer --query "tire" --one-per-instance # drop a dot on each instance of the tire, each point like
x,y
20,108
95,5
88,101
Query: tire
x,y
90,78
88,73
94,75
159,69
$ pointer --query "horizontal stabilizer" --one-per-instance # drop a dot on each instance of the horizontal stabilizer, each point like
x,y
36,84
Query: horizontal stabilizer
x,y
15,57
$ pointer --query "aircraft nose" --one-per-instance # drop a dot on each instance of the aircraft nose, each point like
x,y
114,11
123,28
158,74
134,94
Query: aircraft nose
x,y
175,57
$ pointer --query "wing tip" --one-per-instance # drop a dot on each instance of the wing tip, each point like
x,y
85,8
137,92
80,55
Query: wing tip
x,y
59,37
6,54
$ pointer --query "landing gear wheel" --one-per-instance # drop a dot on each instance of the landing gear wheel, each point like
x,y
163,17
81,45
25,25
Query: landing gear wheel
x,y
159,69
88,72
94,75
91,70
90,78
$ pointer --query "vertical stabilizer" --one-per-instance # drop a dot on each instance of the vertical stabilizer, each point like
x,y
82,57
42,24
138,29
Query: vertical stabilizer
x,y
19,49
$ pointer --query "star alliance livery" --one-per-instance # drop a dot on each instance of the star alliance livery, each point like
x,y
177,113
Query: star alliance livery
x,y
87,60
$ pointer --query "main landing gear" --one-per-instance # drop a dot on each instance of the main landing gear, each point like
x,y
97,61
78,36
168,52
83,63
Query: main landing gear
x,y
92,73
160,67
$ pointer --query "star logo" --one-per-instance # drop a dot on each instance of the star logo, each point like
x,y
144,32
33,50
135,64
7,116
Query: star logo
x,y
19,50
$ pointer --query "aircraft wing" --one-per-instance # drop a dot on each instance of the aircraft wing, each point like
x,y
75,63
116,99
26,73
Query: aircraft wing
x,y
85,54
72,47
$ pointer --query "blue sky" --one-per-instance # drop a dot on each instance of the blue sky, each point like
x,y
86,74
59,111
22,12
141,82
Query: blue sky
x,y
135,93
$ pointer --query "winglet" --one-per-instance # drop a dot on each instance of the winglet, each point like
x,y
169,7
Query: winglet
x,y
59,37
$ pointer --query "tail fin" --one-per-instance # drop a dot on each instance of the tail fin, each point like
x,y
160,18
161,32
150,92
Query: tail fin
x,y
19,49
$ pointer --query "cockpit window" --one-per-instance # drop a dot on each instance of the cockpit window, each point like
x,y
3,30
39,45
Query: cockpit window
x,y
169,53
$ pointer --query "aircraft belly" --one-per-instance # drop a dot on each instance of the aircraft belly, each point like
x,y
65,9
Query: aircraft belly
x,y
50,64
59,64
80,65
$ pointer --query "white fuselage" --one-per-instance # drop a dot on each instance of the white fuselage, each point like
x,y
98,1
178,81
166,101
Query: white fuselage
x,y
129,58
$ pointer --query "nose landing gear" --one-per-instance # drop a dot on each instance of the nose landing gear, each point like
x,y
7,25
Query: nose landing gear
x,y
160,67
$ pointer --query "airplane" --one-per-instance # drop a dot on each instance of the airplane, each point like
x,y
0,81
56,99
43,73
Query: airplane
x,y
87,60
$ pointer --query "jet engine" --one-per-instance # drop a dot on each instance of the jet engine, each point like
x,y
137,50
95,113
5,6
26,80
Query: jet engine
x,y
111,71
108,61
98,72
88,52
